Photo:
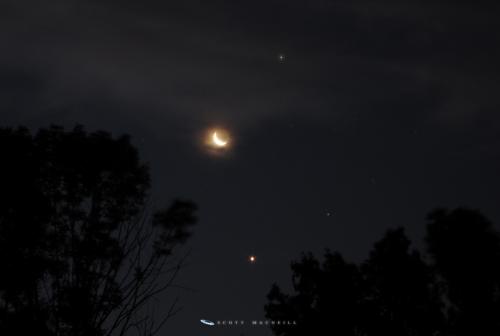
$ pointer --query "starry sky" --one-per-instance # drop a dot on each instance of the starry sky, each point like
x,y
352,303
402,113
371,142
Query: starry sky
x,y
379,112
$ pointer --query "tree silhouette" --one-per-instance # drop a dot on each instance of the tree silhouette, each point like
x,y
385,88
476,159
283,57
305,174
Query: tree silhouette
x,y
465,253
454,290
326,300
81,251
401,291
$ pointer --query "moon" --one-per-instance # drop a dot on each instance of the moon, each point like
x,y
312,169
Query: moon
x,y
217,141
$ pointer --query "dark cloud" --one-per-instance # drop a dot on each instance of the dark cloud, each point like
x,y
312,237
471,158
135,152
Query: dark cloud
x,y
199,59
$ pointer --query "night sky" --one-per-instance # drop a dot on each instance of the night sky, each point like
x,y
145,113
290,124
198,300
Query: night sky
x,y
378,112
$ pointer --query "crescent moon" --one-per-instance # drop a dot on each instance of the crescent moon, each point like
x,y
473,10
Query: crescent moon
x,y
217,141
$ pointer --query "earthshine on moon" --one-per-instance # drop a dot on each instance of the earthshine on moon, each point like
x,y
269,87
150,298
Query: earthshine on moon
x,y
217,141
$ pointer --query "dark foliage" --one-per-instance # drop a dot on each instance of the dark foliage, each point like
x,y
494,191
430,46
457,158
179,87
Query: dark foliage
x,y
79,252
454,291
